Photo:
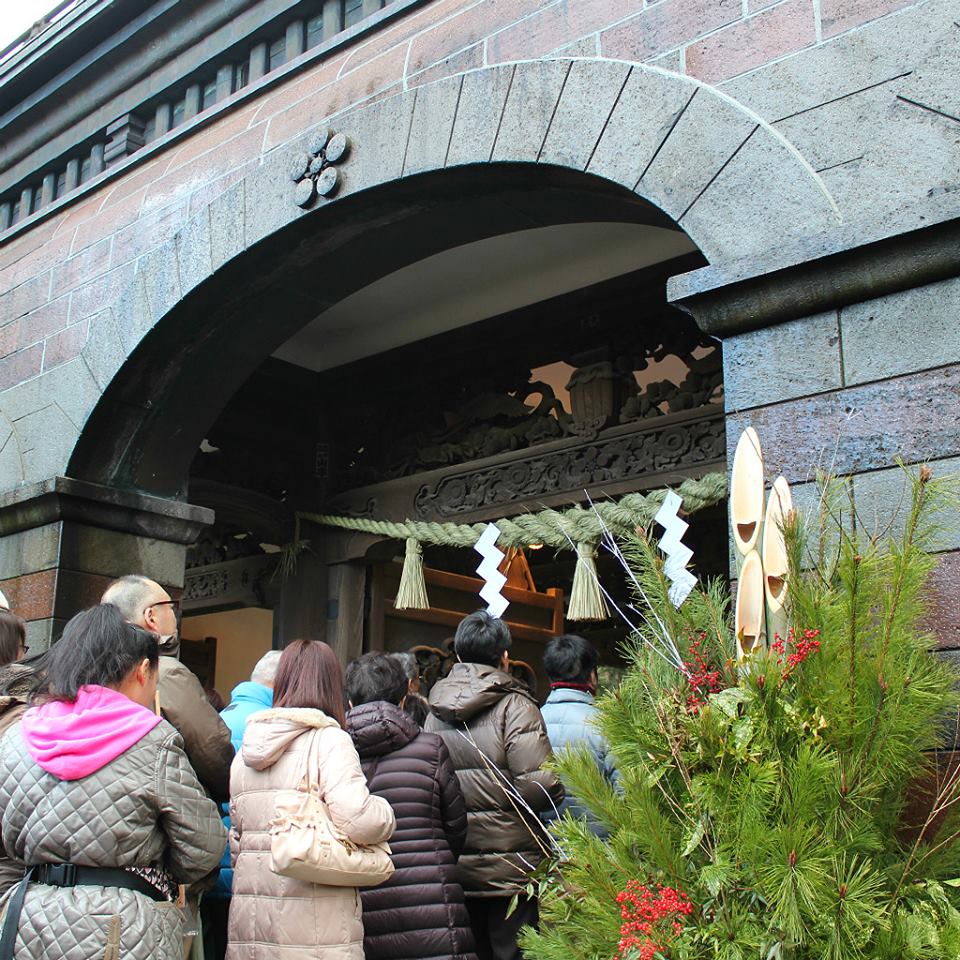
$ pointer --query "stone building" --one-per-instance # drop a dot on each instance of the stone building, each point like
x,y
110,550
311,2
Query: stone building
x,y
454,259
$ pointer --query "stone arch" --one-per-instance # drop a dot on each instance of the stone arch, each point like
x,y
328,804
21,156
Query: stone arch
x,y
679,151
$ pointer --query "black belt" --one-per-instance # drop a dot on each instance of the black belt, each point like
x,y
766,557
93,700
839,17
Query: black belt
x,y
66,875
70,875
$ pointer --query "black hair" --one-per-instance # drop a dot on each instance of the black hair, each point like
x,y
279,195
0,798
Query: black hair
x,y
13,636
569,658
416,708
481,638
375,676
97,647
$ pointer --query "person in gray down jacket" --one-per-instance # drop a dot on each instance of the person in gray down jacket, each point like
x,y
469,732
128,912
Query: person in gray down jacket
x,y
100,803
497,742
570,663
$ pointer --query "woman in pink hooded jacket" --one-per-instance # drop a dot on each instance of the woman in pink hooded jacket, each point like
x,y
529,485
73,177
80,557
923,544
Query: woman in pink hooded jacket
x,y
99,802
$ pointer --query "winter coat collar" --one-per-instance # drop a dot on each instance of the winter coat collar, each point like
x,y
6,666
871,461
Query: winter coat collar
x,y
249,692
379,728
471,688
170,646
565,695
269,733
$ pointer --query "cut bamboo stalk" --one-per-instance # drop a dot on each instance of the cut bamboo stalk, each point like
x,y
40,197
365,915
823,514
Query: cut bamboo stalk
x,y
774,551
746,492
748,617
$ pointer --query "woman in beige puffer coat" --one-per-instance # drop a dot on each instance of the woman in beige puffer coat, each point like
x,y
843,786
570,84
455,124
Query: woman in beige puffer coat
x,y
274,917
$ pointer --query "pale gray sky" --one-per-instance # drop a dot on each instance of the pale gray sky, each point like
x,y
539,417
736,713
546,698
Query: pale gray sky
x,y
16,16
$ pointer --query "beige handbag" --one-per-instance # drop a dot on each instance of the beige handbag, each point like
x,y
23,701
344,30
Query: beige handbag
x,y
305,844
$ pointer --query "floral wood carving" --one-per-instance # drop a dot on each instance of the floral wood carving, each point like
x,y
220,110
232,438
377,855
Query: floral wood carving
x,y
651,450
315,172
205,586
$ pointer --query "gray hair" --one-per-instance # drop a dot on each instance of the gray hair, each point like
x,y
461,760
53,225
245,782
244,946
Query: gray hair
x,y
265,670
409,663
129,595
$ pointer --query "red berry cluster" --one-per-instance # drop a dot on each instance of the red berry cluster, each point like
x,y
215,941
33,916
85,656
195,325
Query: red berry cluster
x,y
800,648
701,678
649,920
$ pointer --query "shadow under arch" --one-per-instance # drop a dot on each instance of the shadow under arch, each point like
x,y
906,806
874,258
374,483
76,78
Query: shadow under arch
x,y
153,415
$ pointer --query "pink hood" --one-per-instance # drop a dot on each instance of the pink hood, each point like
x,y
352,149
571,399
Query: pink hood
x,y
73,740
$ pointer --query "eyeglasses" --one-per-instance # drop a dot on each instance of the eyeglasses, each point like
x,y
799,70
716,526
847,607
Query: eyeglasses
x,y
173,604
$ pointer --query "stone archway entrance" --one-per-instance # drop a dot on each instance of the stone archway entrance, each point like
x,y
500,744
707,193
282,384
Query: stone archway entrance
x,y
653,148
493,152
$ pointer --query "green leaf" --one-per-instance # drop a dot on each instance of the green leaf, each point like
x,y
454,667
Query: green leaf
x,y
728,701
699,829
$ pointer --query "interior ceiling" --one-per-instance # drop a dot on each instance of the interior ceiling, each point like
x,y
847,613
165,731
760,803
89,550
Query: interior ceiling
x,y
474,281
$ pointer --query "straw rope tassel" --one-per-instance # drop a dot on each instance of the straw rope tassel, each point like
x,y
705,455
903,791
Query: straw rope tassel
x,y
412,589
586,600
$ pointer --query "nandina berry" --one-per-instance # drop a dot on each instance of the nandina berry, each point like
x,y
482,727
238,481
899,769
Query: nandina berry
x,y
649,916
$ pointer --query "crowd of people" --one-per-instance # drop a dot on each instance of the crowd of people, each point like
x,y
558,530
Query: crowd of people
x,y
132,812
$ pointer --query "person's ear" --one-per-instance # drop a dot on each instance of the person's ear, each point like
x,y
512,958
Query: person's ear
x,y
150,619
505,661
349,704
143,672
403,702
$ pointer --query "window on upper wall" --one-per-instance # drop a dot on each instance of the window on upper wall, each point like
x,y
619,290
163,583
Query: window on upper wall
x,y
278,53
15,212
243,74
178,113
150,128
209,97
61,188
85,166
352,12
314,30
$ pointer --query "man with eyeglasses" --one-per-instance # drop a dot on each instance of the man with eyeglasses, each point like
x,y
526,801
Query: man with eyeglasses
x,y
182,701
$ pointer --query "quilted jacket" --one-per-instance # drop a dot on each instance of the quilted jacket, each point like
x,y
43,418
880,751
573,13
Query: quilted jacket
x,y
496,738
274,917
19,684
419,912
569,716
142,808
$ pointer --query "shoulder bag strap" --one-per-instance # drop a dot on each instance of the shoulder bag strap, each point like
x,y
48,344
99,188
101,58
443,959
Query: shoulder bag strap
x,y
312,774
11,923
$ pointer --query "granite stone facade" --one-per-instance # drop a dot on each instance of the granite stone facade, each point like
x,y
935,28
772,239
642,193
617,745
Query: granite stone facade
x,y
811,151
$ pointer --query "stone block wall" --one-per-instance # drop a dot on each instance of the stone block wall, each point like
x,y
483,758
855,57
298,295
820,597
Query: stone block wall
x,y
810,68
859,92
63,541
849,392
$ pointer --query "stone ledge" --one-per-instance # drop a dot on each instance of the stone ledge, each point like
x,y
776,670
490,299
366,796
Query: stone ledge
x,y
63,498
824,283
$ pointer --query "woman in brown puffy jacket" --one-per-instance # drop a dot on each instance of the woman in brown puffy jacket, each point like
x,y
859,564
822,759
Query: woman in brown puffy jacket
x,y
419,912
273,917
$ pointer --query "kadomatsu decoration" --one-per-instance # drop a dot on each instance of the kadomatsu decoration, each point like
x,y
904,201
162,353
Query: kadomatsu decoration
x,y
767,807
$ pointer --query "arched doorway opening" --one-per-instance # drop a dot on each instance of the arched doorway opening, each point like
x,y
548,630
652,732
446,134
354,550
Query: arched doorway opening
x,y
450,331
